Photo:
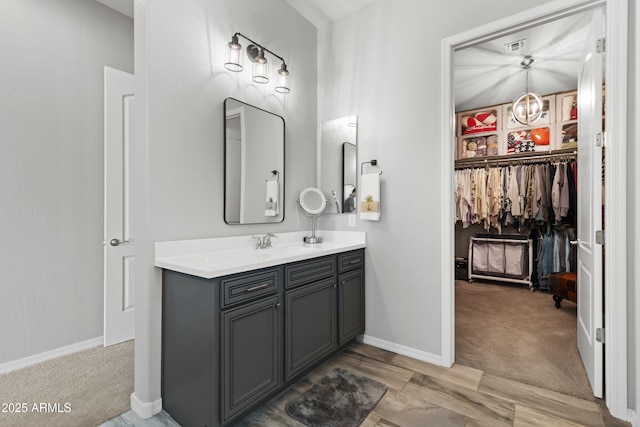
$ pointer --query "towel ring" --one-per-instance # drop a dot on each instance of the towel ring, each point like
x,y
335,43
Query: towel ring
x,y
372,163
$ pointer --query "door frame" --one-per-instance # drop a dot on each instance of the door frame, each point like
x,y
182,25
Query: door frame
x,y
615,305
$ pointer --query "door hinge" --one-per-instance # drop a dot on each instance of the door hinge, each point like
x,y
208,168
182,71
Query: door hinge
x,y
600,45
600,237
600,335
601,139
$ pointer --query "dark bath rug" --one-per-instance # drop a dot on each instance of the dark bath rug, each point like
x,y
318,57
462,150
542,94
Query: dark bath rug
x,y
339,399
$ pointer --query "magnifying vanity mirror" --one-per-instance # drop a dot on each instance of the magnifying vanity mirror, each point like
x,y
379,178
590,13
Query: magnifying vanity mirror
x,y
338,163
254,164
312,202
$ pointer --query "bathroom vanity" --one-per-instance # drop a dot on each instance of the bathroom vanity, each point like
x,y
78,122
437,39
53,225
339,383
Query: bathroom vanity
x,y
239,324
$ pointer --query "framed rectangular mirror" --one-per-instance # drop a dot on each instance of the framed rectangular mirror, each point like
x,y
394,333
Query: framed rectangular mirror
x,y
253,164
338,164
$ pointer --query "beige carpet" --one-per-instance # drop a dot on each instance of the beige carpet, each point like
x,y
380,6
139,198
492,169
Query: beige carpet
x,y
507,330
83,389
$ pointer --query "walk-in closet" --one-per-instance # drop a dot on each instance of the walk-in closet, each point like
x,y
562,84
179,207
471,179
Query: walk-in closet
x,y
517,204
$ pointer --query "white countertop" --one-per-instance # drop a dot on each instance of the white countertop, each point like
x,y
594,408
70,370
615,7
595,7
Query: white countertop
x,y
215,257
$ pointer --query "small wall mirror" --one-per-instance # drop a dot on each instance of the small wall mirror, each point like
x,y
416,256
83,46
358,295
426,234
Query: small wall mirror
x,y
338,163
254,164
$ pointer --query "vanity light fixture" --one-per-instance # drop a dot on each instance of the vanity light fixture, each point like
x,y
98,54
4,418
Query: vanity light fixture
x,y
261,68
256,54
527,107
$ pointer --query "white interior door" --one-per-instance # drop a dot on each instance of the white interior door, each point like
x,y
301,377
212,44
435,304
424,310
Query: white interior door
x,y
119,236
590,305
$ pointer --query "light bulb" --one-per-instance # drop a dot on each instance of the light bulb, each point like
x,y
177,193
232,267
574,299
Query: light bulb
x,y
282,79
233,57
261,69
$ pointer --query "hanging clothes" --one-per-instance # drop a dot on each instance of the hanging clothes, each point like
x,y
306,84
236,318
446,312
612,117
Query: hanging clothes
x,y
522,195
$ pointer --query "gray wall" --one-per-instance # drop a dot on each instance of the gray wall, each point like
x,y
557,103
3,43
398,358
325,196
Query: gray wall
x,y
377,75
183,86
51,169
399,126
633,217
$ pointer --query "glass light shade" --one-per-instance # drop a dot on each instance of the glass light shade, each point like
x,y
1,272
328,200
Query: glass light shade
x,y
233,57
527,108
282,80
261,69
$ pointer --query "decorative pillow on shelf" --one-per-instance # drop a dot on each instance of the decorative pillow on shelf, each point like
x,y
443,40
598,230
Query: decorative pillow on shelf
x,y
484,121
482,147
514,139
540,136
492,145
525,146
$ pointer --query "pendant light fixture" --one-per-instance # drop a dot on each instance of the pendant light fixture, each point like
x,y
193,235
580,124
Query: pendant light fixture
x,y
260,69
527,107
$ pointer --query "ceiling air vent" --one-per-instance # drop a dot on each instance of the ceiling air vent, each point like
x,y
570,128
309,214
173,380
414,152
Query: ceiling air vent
x,y
514,47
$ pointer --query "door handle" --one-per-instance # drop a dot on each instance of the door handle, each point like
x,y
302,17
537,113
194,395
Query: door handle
x,y
573,242
117,242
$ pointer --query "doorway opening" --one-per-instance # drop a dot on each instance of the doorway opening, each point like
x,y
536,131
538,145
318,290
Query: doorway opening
x,y
516,206
615,215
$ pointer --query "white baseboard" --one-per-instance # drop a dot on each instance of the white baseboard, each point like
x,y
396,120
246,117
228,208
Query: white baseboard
x,y
401,349
48,355
145,410
632,417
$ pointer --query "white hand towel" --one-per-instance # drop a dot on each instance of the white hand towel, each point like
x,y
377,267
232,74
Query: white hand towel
x,y
272,206
370,197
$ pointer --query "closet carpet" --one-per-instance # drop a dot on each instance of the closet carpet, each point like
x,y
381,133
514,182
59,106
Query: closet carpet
x,y
507,330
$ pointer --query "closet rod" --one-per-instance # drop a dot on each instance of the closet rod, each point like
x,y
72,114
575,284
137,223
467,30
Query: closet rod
x,y
522,158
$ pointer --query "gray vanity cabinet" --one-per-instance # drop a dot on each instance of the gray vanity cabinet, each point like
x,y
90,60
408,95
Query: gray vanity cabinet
x,y
231,343
311,324
250,354
350,296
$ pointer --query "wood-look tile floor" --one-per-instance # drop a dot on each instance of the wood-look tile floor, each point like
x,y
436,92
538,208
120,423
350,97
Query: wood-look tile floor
x,y
421,394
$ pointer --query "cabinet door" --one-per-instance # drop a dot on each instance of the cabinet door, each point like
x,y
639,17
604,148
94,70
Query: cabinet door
x,y
310,325
350,305
251,357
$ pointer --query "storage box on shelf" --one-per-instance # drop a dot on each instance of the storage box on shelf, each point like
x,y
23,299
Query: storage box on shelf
x,y
537,136
567,120
479,132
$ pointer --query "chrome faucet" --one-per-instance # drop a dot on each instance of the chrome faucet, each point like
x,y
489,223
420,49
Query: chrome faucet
x,y
264,242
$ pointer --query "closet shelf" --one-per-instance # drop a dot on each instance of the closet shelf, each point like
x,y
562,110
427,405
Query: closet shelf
x,y
533,157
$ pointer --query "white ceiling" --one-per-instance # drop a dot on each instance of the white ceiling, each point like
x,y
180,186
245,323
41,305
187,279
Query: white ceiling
x,y
321,12
485,75
123,6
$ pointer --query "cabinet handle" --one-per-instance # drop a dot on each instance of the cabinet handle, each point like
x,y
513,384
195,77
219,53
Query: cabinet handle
x,y
354,262
344,282
255,288
278,306
334,286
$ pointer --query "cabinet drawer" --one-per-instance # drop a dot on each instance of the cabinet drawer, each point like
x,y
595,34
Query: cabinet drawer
x,y
350,260
244,287
306,272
